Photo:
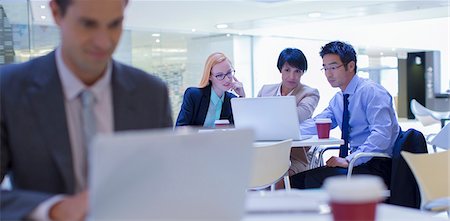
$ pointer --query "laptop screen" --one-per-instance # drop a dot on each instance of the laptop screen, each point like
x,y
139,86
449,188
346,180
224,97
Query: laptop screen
x,y
272,118
151,175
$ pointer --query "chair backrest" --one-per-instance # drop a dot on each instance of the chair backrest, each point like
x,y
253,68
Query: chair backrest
x,y
431,172
442,139
403,186
422,113
270,163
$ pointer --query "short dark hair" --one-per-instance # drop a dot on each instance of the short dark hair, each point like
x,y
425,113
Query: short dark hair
x,y
293,57
63,4
345,51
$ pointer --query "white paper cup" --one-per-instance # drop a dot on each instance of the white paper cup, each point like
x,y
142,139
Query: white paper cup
x,y
354,199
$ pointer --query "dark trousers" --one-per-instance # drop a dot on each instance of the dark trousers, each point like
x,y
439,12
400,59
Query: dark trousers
x,y
314,178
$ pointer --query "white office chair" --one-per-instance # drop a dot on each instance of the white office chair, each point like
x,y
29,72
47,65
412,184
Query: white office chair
x,y
271,163
352,162
432,175
441,139
427,116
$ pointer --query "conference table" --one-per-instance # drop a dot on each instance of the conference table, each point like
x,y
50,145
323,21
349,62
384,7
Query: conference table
x,y
312,205
311,141
385,212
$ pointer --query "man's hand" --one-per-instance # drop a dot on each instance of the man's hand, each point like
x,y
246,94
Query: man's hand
x,y
337,162
70,208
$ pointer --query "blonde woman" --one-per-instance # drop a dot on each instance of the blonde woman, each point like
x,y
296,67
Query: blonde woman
x,y
211,100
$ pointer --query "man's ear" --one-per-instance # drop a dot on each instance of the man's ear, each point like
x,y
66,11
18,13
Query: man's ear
x,y
351,66
56,12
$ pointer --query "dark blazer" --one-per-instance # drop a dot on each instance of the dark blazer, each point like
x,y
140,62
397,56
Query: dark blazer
x,y
35,146
196,103
404,188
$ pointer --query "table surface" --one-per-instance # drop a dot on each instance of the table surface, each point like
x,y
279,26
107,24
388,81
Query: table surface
x,y
274,208
384,212
313,141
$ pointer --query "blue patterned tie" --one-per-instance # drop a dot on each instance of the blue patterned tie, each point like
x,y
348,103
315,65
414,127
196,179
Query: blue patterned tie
x,y
343,149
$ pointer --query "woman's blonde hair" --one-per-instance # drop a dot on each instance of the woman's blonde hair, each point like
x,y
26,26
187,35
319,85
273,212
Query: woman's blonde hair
x,y
212,60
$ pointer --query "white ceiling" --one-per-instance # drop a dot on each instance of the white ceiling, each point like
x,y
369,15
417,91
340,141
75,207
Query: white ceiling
x,y
287,18
255,17
262,17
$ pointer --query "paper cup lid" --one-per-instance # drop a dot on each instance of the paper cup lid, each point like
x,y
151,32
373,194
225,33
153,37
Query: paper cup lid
x,y
222,122
359,188
322,120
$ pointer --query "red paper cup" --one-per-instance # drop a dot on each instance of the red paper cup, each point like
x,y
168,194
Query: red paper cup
x,y
222,124
354,199
323,127
362,211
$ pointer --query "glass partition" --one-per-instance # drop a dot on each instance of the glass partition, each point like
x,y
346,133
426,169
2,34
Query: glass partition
x,y
178,57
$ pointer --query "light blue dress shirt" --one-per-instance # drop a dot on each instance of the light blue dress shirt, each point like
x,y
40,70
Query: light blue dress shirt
x,y
373,123
214,109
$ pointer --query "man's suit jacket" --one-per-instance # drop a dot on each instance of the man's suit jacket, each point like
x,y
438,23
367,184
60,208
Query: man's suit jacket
x,y
403,185
35,146
306,97
196,103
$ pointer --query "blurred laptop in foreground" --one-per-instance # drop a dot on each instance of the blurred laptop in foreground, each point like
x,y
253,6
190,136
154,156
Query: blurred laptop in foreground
x,y
170,176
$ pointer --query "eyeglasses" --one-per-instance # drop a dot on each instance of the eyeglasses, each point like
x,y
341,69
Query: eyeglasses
x,y
220,76
331,68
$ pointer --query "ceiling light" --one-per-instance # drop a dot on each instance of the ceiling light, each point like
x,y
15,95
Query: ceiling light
x,y
221,26
42,6
157,40
156,35
314,14
43,17
381,53
193,30
228,35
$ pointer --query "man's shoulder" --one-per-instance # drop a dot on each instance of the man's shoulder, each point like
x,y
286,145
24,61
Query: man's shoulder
x,y
369,86
25,70
137,75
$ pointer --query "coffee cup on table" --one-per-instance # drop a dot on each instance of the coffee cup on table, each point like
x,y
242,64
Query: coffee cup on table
x,y
354,199
222,124
323,127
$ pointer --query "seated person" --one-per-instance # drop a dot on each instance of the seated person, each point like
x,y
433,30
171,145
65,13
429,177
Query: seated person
x,y
56,103
292,64
364,112
204,105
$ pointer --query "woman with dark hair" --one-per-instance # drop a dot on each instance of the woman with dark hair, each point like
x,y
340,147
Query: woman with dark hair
x,y
292,64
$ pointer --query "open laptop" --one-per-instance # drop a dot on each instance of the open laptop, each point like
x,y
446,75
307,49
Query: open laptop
x,y
170,176
272,118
